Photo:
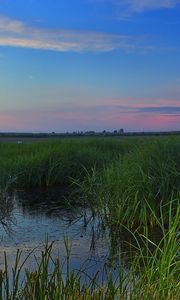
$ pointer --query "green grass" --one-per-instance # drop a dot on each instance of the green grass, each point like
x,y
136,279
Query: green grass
x,y
50,163
135,184
153,274
132,184
117,176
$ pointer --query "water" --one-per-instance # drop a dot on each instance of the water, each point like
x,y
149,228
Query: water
x,y
38,215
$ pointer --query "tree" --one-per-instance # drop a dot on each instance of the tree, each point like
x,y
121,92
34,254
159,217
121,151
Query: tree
x,y
121,131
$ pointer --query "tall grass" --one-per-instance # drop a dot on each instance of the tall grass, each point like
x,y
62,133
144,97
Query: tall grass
x,y
118,176
148,174
54,163
160,267
153,273
132,184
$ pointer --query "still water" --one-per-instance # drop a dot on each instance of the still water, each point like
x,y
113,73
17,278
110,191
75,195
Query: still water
x,y
38,215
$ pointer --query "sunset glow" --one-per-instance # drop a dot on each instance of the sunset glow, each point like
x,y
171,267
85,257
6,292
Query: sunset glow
x,y
89,65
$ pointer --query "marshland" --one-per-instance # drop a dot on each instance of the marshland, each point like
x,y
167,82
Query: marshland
x,y
90,218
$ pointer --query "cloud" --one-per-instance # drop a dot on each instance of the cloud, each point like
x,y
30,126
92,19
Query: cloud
x,y
99,116
9,25
129,7
18,34
167,110
144,5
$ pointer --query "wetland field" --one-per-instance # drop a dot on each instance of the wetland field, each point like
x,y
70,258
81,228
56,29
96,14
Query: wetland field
x,y
90,218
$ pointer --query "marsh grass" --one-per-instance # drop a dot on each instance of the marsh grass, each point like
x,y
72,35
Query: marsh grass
x,y
149,174
131,184
160,265
152,274
50,163
6,205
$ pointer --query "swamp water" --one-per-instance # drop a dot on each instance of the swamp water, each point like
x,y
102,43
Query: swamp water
x,y
38,216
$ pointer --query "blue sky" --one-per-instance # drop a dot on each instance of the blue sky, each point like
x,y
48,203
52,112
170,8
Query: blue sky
x,y
89,65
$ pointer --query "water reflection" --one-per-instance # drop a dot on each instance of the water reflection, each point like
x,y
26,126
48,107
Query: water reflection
x,y
42,213
28,217
6,210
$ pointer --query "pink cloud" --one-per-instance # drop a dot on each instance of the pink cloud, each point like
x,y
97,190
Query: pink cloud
x,y
103,115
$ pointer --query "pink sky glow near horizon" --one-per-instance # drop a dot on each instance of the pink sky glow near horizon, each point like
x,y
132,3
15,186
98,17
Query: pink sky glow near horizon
x,y
140,117
89,65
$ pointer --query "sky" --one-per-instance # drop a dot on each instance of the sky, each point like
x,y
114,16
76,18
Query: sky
x,y
82,65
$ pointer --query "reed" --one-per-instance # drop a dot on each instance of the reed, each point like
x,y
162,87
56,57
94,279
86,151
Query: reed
x,y
159,277
152,274
133,185
148,174
46,164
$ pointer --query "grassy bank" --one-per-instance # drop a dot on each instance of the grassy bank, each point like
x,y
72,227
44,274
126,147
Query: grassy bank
x,y
132,187
129,181
133,184
50,163
123,178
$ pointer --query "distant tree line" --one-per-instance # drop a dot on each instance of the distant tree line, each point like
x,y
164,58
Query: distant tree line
x,y
119,132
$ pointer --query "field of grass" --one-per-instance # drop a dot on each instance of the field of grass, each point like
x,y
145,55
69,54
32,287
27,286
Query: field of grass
x,y
131,183
51,163
133,186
